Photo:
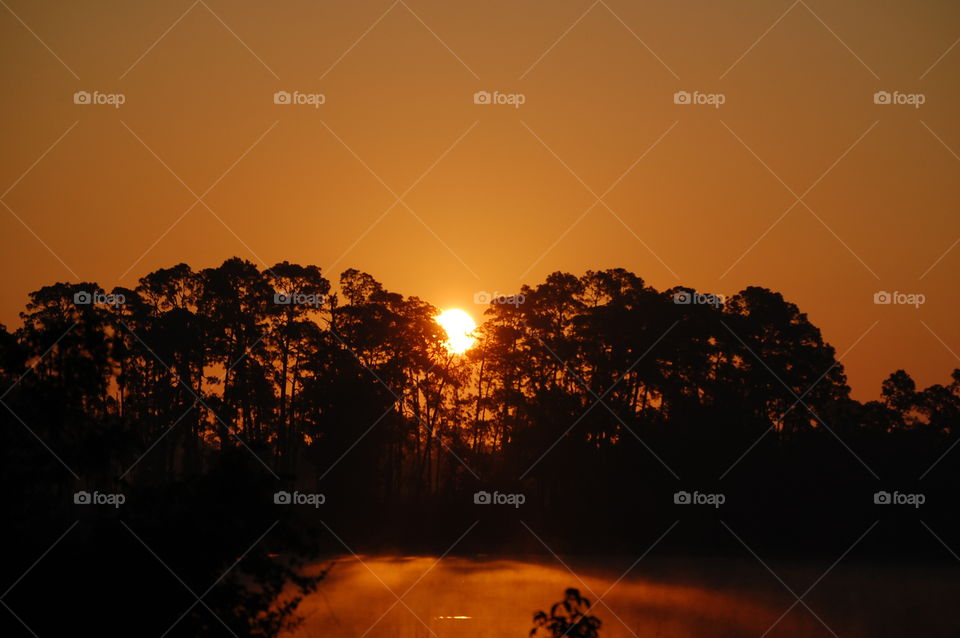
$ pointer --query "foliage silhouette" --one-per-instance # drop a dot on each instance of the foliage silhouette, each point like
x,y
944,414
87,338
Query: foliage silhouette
x,y
592,396
568,617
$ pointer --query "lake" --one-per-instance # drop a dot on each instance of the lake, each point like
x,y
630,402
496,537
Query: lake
x,y
670,598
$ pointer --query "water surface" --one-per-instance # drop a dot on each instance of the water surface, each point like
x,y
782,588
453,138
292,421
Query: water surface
x,y
486,597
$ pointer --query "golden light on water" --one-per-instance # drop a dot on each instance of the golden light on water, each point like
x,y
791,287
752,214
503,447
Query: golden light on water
x,y
459,327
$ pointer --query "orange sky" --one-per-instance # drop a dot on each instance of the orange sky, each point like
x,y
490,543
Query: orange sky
x,y
500,195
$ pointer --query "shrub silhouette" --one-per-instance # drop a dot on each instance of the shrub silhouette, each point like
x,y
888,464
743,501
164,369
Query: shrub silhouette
x,y
568,617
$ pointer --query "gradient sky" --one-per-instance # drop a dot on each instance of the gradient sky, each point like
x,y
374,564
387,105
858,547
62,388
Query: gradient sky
x,y
500,196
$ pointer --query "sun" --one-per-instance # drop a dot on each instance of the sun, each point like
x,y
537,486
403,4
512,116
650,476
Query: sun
x,y
459,327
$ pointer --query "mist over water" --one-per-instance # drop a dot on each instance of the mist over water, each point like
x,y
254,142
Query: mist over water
x,y
689,598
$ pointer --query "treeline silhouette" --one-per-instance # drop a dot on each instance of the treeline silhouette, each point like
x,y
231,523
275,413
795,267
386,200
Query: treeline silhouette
x,y
200,393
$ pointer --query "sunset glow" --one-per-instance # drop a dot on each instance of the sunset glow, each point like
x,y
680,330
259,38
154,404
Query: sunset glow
x,y
487,301
459,327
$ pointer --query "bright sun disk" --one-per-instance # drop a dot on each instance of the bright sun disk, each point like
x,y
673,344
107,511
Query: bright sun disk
x,y
459,327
